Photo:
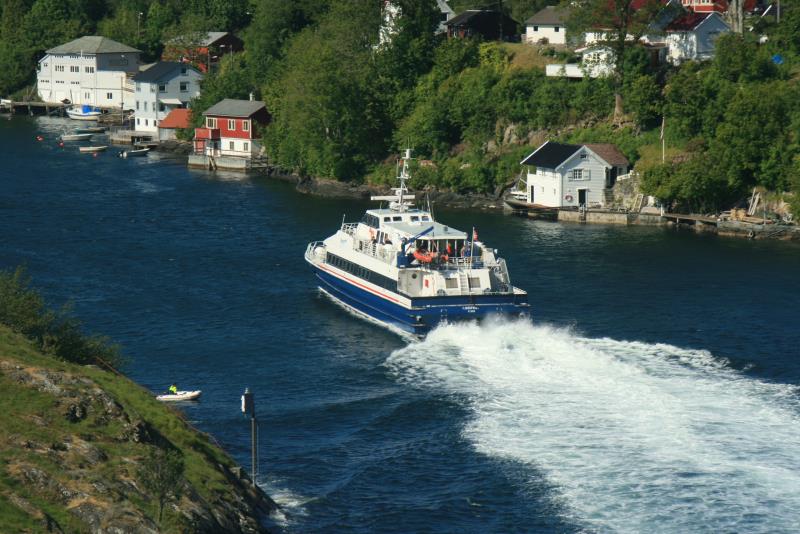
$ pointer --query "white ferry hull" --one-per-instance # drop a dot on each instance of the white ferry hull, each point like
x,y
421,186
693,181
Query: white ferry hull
x,y
423,314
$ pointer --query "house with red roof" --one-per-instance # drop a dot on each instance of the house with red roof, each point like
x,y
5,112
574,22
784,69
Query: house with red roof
x,y
691,37
178,118
716,6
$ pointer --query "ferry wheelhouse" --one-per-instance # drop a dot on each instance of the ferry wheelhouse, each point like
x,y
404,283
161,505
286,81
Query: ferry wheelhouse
x,y
402,269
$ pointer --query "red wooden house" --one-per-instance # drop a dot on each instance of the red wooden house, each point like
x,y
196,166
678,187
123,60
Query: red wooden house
x,y
202,49
232,128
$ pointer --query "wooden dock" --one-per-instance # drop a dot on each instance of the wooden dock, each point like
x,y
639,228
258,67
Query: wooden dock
x,y
685,218
32,108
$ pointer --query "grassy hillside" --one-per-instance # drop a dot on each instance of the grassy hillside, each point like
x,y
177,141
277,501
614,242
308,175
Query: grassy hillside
x,y
73,440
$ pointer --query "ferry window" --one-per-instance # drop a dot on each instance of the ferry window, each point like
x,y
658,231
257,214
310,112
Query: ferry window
x,y
414,218
451,283
397,218
371,220
426,218
387,219
475,282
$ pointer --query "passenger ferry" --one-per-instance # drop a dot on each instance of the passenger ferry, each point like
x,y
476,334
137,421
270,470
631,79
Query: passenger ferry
x,y
402,269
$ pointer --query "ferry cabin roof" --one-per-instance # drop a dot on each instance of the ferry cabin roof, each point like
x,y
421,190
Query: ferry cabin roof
x,y
410,223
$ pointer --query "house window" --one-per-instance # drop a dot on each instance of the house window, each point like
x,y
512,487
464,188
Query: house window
x,y
231,145
161,106
152,88
138,122
231,124
245,126
109,96
89,70
137,105
184,87
583,156
536,28
74,69
145,105
87,96
246,146
145,122
579,174
138,87
162,88
183,70
211,122
556,29
59,68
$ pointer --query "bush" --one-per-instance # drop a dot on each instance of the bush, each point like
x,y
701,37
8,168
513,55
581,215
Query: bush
x,y
58,334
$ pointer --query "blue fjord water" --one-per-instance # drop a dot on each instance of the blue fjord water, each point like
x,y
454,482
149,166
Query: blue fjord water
x,y
654,391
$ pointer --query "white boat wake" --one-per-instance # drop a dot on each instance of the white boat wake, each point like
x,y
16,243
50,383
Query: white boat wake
x,y
634,437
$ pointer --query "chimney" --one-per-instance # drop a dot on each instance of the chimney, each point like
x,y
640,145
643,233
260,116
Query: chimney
x,y
252,96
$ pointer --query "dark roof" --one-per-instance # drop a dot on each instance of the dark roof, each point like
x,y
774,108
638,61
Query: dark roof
x,y
468,16
610,153
200,39
92,44
550,15
235,108
159,71
687,22
550,155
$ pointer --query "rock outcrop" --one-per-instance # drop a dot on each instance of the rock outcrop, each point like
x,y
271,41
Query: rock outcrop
x,y
72,442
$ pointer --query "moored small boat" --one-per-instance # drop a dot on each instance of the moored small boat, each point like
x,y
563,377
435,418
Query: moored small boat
x,y
92,148
180,396
134,153
84,113
76,137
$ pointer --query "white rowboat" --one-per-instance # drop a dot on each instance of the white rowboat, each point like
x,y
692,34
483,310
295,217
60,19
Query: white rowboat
x,y
134,153
92,148
180,396
76,137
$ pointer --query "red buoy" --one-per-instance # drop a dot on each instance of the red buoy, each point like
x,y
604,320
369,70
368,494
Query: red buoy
x,y
39,138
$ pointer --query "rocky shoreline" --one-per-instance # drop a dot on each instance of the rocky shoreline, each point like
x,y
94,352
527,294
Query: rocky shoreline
x,y
328,188
74,441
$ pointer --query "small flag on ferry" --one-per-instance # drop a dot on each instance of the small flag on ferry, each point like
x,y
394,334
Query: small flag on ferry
x,y
474,234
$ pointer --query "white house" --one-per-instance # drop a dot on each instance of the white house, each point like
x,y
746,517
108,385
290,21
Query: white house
x,y
692,36
90,70
390,12
596,62
547,26
162,87
562,175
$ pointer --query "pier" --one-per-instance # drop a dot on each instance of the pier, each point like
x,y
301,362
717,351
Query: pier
x,y
32,108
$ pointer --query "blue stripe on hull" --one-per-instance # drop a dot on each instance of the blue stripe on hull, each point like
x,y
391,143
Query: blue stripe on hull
x,y
425,313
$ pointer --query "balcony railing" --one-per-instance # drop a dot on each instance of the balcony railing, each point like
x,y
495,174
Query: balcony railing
x,y
206,133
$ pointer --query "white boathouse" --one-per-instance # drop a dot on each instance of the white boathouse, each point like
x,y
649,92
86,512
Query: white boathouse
x,y
90,70
566,175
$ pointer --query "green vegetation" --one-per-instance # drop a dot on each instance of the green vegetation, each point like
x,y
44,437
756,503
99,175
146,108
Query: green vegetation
x,y
57,333
161,474
81,445
343,104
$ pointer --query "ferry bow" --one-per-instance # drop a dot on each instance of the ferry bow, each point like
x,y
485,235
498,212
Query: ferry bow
x,y
401,268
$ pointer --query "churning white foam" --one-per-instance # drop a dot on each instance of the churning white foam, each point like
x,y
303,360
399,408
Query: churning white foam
x,y
633,437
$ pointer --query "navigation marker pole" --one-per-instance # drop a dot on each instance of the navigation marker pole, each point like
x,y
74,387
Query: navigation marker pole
x,y
249,407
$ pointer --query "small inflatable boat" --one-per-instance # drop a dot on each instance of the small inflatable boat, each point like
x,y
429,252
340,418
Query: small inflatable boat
x,y
180,396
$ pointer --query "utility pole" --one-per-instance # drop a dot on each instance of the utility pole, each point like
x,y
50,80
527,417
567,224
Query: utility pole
x,y
138,25
249,407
